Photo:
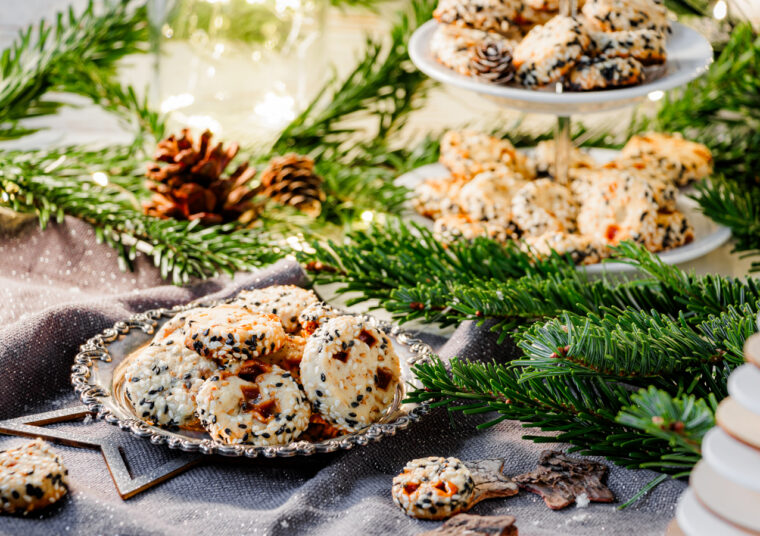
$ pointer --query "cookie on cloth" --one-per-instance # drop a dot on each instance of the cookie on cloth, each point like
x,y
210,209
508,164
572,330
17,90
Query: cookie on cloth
x,y
350,372
469,152
544,156
673,230
604,73
162,380
645,45
581,249
262,406
32,477
437,196
622,15
488,196
455,47
284,301
549,51
455,227
314,316
542,206
679,160
229,332
433,488
487,15
619,208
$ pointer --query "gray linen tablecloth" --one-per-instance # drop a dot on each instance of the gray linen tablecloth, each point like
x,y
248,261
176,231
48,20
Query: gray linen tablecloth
x,y
59,287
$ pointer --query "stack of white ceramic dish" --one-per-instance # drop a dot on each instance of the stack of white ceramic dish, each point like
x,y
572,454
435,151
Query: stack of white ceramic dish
x,y
723,498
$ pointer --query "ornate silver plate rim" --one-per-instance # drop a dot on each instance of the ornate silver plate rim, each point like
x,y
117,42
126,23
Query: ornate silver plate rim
x,y
102,403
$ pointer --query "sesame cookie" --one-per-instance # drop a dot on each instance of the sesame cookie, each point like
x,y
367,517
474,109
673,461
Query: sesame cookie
x,y
663,190
314,316
455,47
31,477
544,156
645,45
175,323
487,15
288,357
548,52
350,372
673,230
455,227
488,196
681,161
436,197
228,333
162,380
621,15
284,301
433,488
542,206
581,249
604,73
619,208
267,407
468,152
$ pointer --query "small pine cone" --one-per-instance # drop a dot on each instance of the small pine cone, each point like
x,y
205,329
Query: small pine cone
x,y
290,180
492,62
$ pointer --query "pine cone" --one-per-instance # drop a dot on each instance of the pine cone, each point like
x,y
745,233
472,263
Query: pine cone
x,y
492,62
291,180
190,186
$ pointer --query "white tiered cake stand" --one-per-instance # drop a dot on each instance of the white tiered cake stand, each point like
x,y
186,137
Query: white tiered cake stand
x,y
724,494
689,55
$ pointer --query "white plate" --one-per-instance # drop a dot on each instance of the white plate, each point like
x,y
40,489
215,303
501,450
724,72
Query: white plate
x,y
689,55
695,520
744,387
708,234
734,460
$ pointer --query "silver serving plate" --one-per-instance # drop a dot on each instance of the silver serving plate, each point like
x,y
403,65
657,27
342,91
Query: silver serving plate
x,y
97,380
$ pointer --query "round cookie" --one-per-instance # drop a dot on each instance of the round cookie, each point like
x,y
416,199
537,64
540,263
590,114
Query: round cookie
x,y
645,45
162,381
433,488
350,372
468,152
544,156
584,183
289,356
542,206
284,301
488,196
679,160
266,407
455,227
604,73
436,197
230,332
487,15
548,52
621,15
582,249
175,323
314,316
619,208
673,230
31,477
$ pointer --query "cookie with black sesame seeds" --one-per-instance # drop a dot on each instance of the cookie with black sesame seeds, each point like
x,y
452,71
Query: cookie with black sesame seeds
x,y
350,372
232,332
675,158
456,47
599,72
673,230
175,323
314,316
488,196
487,15
619,207
542,206
263,406
433,488
289,356
663,190
437,196
32,477
284,301
622,15
456,227
161,381
549,51
469,152
544,155
582,249
645,45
